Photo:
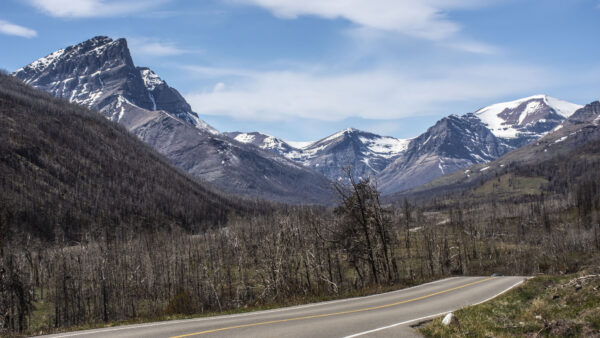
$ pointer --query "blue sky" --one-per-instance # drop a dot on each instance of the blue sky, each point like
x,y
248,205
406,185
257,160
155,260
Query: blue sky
x,y
302,70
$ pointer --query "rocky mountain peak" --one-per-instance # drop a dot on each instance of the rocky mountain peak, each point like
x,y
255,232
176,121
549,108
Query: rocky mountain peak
x,y
99,73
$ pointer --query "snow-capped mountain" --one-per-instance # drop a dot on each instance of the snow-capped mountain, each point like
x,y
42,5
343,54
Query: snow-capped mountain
x,y
457,142
521,121
366,153
100,74
453,143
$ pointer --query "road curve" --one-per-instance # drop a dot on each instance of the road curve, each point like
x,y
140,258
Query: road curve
x,y
382,315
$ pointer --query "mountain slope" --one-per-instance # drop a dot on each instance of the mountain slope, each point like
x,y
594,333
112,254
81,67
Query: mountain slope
x,y
457,142
233,166
65,170
566,156
100,74
453,143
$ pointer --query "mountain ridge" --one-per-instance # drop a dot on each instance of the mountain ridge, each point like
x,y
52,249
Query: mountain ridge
x,y
459,141
99,73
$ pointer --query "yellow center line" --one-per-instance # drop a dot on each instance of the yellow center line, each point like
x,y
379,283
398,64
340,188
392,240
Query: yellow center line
x,y
332,314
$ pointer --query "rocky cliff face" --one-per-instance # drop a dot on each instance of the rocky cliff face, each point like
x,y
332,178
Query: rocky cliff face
x,y
588,114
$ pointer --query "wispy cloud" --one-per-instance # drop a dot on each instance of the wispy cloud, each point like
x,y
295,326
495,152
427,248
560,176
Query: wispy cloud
x,y
154,47
420,18
92,8
8,28
382,93
472,47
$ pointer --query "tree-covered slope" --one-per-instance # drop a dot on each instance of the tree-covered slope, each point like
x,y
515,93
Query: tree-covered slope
x,y
66,170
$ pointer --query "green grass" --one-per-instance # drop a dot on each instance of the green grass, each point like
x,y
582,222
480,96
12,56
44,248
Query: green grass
x,y
510,185
544,306
41,316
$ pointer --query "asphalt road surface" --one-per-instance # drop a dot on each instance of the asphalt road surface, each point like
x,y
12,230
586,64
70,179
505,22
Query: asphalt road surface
x,y
384,315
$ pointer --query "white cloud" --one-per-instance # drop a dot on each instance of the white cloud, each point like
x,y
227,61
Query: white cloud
x,y
153,47
382,93
420,18
92,8
472,47
12,29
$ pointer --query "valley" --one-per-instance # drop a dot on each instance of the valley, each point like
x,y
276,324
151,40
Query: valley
x,y
255,168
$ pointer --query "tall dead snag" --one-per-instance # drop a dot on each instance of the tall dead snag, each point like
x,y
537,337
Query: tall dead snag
x,y
364,228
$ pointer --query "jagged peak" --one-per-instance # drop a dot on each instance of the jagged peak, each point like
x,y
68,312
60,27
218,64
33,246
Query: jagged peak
x,y
97,45
99,40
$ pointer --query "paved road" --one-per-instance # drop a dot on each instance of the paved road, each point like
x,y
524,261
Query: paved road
x,y
384,315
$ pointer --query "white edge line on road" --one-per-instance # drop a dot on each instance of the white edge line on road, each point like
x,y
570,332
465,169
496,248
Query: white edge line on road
x,y
397,324
498,294
252,313
430,316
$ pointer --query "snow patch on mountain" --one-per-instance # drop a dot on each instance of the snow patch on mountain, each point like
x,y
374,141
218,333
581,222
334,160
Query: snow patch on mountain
x,y
564,108
202,125
300,144
44,62
531,108
385,146
151,80
244,138
271,142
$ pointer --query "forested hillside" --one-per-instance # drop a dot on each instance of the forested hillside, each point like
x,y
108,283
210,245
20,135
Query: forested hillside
x,y
66,171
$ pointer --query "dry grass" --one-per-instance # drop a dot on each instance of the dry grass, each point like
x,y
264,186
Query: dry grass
x,y
544,306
